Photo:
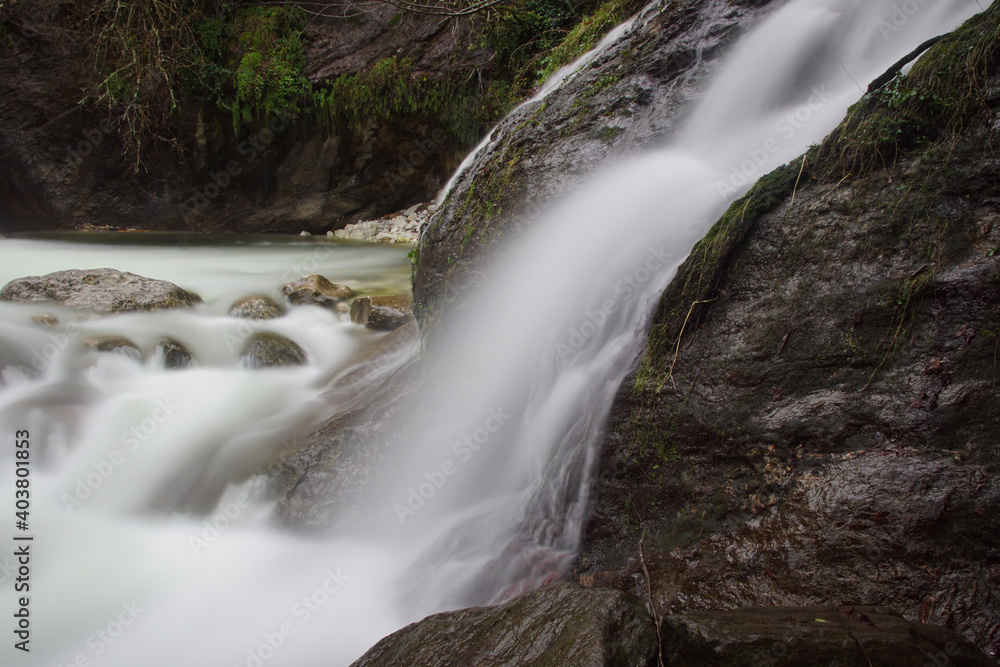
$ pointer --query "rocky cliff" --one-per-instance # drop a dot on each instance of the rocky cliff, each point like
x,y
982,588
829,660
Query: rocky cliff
x,y
243,117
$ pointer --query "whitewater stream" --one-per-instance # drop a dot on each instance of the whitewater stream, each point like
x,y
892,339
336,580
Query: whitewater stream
x,y
488,495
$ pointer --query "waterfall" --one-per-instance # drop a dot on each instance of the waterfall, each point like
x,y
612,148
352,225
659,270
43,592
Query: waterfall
x,y
488,494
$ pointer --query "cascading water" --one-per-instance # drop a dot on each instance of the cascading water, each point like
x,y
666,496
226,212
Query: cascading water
x,y
489,494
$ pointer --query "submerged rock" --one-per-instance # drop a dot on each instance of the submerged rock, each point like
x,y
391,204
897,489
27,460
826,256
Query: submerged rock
x,y
115,344
382,312
315,289
100,290
174,354
559,625
812,636
45,320
256,307
266,350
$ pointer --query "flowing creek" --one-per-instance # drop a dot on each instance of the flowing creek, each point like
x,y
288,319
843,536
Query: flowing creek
x,y
489,495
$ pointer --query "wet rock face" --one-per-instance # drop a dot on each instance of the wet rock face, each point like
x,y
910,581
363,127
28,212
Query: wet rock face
x,y
559,625
911,531
828,431
102,291
627,99
812,637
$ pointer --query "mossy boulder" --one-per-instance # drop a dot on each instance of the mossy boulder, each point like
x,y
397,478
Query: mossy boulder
x,y
814,416
629,98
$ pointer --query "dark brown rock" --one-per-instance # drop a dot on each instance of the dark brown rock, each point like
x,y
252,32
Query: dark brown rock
x,y
174,355
315,289
382,312
812,637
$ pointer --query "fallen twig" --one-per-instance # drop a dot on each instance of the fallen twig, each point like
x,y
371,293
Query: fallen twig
x,y
652,606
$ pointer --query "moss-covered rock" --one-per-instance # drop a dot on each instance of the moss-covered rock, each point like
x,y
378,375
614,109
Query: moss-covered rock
x,y
820,376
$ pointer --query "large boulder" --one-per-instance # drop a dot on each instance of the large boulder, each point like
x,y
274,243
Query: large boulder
x,y
382,312
815,415
99,290
812,637
559,625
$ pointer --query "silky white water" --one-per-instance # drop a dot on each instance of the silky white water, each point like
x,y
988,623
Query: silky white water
x,y
488,496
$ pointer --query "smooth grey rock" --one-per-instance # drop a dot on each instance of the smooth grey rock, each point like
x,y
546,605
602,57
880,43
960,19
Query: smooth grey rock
x,y
100,290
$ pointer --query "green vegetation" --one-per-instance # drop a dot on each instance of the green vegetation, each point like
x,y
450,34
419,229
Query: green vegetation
x,y
145,54
151,59
255,61
583,37
942,93
391,88
523,31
